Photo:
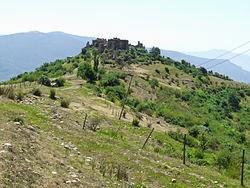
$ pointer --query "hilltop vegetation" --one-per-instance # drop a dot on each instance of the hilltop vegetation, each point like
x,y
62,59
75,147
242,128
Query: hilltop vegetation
x,y
175,98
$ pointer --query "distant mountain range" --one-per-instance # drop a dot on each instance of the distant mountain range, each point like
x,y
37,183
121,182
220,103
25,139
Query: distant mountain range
x,y
26,51
242,60
23,52
228,68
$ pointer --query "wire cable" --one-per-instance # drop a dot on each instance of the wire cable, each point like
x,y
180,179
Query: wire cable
x,y
237,55
223,54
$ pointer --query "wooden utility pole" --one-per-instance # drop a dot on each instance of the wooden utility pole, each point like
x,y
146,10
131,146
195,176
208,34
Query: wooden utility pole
x,y
184,149
85,120
123,105
148,138
242,168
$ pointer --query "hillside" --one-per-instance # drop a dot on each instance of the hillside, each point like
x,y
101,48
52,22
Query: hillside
x,y
23,52
48,141
228,68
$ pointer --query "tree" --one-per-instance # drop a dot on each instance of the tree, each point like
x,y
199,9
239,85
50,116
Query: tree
x,y
155,52
85,71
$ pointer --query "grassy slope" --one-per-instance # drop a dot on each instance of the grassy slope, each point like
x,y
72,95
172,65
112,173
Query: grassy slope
x,y
52,149
105,148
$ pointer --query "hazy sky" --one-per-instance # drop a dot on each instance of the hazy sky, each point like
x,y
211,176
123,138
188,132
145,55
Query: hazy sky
x,y
185,25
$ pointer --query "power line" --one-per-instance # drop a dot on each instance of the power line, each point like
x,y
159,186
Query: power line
x,y
223,54
237,55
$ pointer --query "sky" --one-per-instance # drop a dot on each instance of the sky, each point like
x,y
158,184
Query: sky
x,y
183,25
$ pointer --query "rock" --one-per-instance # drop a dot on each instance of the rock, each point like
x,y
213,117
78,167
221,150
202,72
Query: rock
x,y
173,180
73,175
17,123
27,160
68,182
67,146
88,159
2,151
7,145
54,172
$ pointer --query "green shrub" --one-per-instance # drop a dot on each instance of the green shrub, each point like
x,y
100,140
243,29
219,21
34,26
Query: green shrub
x,y
136,123
154,83
44,80
167,70
194,131
65,103
20,96
115,92
223,159
52,94
37,92
59,82
11,93
85,71
19,120
157,71
110,79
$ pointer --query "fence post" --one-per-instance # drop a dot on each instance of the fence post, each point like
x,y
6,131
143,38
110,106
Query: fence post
x,y
184,149
85,119
242,168
148,138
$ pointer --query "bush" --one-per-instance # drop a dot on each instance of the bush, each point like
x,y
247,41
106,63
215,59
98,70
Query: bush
x,y
136,123
52,94
157,71
65,103
223,159
37,92
11,94
85,71
115,92
154,83
194,131
19,120
20,96
59,82
167,70
8,92
44,80
110,79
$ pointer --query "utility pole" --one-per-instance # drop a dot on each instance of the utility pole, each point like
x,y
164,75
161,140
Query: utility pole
x,y
148,138
242,168
184,149
123,105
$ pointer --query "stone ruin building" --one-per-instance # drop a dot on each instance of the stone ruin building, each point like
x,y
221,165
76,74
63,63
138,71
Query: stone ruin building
x,y
111,44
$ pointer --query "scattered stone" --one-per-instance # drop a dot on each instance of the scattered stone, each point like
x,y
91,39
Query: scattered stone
x,y
173,180
88,159
17,123
68,182
7,145
27,160
54,172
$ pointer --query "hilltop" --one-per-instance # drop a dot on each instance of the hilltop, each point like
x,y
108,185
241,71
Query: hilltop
x,y
62,123
24,52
